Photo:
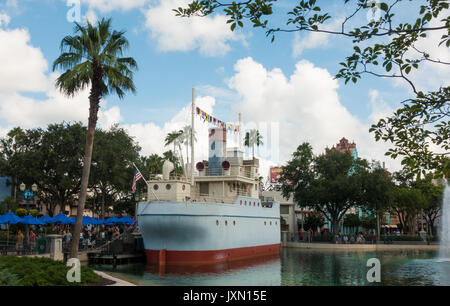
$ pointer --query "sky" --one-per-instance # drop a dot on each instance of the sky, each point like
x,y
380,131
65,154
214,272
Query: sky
x,y
286,88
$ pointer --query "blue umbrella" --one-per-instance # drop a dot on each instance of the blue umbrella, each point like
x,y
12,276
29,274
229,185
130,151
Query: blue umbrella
x,y
126,220
61,218
31,220
85,221
94,221
97,221
10,218
46,219
111,221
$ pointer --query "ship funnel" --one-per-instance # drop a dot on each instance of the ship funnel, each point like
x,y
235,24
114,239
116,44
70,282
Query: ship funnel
x,y
167,168
217,150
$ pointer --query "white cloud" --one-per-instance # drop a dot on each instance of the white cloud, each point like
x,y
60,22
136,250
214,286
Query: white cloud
x,y
151,137
23,66
211,35
313,40
305,105
4,19
429,76
18,110
380,109
105,6
90,16
24,69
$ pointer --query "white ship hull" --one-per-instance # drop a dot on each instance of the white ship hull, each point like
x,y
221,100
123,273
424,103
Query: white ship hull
x,y
195,232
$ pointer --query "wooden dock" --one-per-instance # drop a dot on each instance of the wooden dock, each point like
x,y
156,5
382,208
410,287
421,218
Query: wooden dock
x,y
114,259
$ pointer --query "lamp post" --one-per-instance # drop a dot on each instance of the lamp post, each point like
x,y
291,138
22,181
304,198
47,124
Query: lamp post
x,y
28,195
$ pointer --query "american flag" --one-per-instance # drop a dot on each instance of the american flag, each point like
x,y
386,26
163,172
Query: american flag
x,y
137,177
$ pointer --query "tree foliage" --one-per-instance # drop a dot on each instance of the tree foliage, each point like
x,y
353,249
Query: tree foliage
x,y
387,47
313,221
323,183
52,158
93,57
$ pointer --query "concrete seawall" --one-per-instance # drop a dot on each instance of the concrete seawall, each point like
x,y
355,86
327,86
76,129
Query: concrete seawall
x,y
360,247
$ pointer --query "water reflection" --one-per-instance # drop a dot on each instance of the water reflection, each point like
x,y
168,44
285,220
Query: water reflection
x,y
260,271
296,267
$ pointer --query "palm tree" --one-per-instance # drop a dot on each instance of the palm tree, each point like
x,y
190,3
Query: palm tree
x,y
93,57
253,137
175,138
186,139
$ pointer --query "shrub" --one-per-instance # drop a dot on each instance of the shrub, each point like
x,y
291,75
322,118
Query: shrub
x,y
21,212
43,271
323,237
402,238
8,279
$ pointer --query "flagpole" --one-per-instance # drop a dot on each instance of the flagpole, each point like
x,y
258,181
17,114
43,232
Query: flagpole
x,y
148,187
192,140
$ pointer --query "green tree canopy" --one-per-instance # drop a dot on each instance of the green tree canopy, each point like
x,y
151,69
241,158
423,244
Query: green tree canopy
x,y
322,183
51,158
313,221
385,46
112,166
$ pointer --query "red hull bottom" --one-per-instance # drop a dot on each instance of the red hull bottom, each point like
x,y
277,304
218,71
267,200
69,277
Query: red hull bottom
x,y
205,257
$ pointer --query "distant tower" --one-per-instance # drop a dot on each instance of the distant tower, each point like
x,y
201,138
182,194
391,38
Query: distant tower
x,y
345,146
217,150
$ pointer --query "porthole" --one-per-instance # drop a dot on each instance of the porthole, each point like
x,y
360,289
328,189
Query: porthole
x,y
226,223
254,204
234,222
155,187
183,188
168,186
270,222
245,202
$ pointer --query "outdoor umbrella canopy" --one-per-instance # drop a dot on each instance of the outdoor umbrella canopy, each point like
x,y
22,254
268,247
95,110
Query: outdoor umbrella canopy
x,y
61,218
126,220
10,218
85,221
31,220
46,219
111,221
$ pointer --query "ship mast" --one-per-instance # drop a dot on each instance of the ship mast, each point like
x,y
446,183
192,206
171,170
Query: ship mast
x,y
192,139
240,131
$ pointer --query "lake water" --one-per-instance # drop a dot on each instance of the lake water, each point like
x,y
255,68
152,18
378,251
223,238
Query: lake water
x,y
297,267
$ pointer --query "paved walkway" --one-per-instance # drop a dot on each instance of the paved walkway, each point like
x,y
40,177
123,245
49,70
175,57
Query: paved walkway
x,y
118,282
360,247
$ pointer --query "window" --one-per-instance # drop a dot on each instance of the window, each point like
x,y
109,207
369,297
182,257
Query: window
x,y
284,209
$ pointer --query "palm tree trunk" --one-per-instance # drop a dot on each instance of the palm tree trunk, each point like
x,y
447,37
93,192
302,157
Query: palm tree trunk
x,y
182,161
94,100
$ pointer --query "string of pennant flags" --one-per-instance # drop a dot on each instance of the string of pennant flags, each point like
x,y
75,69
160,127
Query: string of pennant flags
x,y
216,122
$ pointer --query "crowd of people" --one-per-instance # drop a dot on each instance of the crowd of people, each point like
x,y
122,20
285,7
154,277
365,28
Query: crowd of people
x,y
91,236
356,238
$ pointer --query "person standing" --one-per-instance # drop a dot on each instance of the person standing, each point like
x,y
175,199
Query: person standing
x,y
32,239
19,244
